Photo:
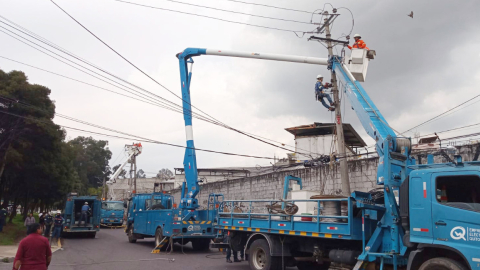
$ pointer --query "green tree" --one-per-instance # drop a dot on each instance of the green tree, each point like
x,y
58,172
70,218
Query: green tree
x,y
91,161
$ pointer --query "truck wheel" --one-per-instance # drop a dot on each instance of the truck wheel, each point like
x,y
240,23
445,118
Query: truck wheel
x,y
131,238
260,258
201,244
158,239
441,264
92,235
313,266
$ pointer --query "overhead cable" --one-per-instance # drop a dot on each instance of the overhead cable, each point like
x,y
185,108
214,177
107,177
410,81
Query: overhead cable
x,y
433,118
237,12
263,5
135,138
296,32
177,110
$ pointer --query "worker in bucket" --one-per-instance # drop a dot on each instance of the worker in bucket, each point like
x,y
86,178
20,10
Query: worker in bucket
x,y
359,44
84,214
320,94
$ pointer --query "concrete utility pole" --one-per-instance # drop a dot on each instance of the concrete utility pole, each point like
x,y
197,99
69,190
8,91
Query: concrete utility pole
x,y
104,193
338,119
134,164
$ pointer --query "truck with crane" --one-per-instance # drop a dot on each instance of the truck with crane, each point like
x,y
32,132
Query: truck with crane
x,y
428,219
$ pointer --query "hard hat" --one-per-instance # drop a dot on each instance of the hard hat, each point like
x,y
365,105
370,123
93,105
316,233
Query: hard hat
x,y
86,203
58,212
357,35
319,76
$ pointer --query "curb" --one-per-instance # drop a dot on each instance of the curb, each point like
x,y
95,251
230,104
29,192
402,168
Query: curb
x,y
7,259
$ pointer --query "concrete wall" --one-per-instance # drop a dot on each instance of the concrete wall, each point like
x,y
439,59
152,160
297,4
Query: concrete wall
x,y
324,179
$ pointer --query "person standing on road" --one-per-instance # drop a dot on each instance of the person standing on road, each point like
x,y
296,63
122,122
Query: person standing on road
x,y
29,221
3,218
57,228
84,216
48,224
34,251
41,220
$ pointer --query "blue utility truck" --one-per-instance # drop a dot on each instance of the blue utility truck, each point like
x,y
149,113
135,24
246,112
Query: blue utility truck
x,y
154,215
428,217
112,213
72,215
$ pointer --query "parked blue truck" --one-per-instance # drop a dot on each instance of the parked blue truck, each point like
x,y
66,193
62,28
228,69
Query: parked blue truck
x,y
72,215
154,215
112,213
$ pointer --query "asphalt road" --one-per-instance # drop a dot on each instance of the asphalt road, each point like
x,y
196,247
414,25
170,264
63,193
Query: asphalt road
x,y
110,250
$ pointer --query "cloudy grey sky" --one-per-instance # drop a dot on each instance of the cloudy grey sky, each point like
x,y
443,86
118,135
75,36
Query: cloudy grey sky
x,y
424,66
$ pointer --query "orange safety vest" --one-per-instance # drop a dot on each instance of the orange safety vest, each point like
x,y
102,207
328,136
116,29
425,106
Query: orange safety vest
x,y
359,45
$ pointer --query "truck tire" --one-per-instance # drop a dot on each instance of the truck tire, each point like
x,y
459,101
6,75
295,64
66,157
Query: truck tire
x,y
131,238
313,266
158,239
201,244
92,235
260,258
442,264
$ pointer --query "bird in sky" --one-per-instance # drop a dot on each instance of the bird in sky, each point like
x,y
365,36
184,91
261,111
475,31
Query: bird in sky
x,y
410,15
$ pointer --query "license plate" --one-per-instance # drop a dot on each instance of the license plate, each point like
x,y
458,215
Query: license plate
x,y
112,220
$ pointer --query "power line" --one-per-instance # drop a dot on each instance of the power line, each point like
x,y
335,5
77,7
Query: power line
x,y
215,18
263,5
144,101
448,130
173,109
166,102
136,138
433,118
237,12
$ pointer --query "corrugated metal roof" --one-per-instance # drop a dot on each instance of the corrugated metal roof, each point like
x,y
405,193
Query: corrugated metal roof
x,y
352,138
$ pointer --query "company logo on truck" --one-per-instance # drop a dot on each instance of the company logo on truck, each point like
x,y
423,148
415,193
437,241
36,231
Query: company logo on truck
x,y
458,233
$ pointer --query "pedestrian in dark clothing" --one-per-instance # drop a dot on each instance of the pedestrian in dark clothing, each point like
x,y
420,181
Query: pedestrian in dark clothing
x,y
57,228
34,251
29,221
41,220
48,224
3,218
229,250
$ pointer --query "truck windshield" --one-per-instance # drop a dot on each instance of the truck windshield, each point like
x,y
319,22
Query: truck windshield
x,y
116,206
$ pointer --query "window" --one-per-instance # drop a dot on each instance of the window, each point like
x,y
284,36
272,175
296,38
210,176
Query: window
x,y
462,191
115,206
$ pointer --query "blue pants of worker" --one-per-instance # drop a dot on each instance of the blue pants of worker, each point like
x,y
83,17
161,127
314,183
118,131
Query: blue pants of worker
x,y
2,221
324,95
57,231
83,217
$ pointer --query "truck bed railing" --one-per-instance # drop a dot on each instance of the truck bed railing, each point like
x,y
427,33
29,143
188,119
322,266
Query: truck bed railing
x,y
254,215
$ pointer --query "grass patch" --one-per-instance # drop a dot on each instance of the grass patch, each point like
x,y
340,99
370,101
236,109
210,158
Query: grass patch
x,y
15,231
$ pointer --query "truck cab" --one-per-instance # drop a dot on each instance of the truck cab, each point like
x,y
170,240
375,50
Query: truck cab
x,y
72,215
112,213
440,211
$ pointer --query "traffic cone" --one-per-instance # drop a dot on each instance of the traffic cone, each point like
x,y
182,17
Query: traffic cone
x,y
443,196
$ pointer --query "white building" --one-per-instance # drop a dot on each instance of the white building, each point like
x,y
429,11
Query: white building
x,y
144,185
317,139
